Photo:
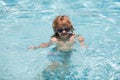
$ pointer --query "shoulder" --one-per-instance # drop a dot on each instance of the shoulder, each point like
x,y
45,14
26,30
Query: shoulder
x,y
72,36
54,39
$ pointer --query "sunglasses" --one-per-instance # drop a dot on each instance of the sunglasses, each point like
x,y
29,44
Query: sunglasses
x,y
63,29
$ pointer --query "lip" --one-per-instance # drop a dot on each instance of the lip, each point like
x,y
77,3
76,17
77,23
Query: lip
x,y
64,34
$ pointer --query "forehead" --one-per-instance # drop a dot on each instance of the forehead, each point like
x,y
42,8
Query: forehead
x,y
63,24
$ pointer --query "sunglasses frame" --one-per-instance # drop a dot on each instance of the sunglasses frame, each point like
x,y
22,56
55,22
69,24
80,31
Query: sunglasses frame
x,y
60,30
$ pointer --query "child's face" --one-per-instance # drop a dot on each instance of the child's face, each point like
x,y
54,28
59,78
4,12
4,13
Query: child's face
x,y
63,32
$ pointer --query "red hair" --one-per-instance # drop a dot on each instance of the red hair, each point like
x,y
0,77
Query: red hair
x,y
61,21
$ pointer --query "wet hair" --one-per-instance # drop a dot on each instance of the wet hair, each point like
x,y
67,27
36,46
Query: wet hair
x,y
61,21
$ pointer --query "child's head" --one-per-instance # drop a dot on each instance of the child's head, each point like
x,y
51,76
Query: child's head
x,y
62,22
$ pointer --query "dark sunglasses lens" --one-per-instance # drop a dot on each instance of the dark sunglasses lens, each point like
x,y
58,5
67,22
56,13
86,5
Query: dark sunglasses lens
x,y
67,29
60,30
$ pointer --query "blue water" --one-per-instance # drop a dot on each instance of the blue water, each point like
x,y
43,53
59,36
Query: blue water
x,y
29,22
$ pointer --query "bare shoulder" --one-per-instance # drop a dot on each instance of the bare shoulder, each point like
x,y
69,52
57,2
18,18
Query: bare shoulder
x,y
54,39
72,36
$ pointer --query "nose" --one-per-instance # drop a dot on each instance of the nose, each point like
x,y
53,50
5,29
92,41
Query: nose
x,y
63,31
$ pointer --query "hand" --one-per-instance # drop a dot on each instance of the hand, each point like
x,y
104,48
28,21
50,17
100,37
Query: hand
x,y
83,45
32,47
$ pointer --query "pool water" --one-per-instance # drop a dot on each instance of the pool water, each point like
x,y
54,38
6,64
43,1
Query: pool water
x,y
29,22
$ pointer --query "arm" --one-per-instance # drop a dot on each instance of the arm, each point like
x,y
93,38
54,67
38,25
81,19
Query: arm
x,y
81,40
44,45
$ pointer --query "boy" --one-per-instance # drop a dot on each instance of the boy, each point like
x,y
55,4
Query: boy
x,y
63,37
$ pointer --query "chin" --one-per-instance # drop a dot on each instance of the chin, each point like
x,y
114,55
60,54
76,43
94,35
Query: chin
x,y
65,36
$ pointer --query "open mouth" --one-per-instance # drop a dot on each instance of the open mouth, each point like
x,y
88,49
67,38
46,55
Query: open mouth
x,y
64,34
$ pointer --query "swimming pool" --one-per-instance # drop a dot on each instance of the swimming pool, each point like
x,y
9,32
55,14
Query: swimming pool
x,y
28,22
